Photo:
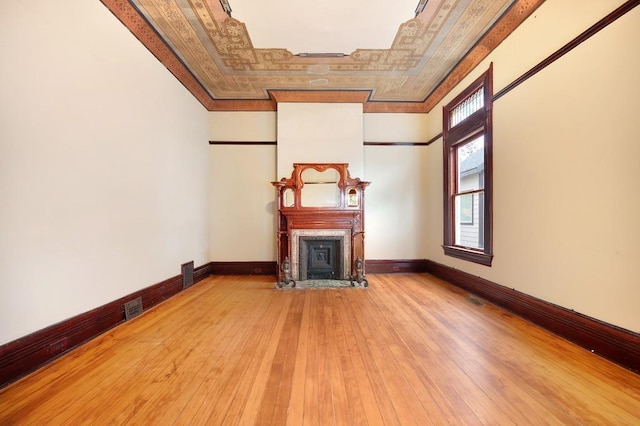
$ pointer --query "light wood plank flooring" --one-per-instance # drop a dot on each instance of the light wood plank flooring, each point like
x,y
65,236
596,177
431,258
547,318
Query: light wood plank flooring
x,y
408,350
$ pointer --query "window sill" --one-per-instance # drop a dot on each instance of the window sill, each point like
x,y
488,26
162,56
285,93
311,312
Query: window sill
x,y
469,255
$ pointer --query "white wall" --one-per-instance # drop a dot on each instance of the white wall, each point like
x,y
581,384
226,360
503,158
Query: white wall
x,y
566,165
242,198
103,165
241,195
243,206
253,126
320,133
396,199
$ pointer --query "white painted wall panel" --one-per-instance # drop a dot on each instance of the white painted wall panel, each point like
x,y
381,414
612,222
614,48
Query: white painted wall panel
x,y
565,165
249,126
320,133
243,207
103,165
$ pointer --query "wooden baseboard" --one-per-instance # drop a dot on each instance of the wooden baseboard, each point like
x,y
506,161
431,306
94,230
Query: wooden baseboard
x,y
30,352
26,354
395,265
269,268
243,268
614,343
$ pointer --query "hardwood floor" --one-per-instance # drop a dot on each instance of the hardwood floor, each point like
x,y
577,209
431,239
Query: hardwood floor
x,y
408,350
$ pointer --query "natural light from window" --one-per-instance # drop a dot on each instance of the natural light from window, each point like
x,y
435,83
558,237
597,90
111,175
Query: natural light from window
x,y
469,197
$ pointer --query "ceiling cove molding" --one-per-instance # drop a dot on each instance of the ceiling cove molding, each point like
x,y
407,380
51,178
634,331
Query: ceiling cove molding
x,y
512,18
321,96
142,30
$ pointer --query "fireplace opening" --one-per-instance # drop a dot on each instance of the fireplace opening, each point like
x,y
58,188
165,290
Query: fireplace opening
x,y
321,258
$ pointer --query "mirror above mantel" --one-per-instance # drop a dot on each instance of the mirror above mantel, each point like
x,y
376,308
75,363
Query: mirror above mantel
x,y
320,186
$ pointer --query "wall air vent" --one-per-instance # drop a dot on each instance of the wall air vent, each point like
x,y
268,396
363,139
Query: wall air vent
x,y
187,275
133,308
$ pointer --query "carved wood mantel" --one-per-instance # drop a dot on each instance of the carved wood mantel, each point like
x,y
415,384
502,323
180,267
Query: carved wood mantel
x,y
320,198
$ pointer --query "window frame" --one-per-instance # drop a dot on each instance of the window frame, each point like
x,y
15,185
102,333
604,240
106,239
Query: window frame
x,y
478,123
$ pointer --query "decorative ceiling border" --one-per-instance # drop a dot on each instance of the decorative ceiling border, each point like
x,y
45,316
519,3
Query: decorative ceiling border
x,y
324,96
144,32
511,20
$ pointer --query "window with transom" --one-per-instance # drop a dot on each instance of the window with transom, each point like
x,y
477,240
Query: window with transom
x,y
467,136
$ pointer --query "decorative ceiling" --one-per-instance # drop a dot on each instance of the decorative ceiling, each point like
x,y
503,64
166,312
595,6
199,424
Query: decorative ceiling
x,y
212,53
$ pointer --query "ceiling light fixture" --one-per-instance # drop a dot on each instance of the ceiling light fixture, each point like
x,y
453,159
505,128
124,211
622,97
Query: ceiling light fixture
x,y
226,6
421,5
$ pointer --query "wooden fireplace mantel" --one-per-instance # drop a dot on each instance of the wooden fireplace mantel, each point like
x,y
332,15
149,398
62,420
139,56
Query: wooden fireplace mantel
x,y
332,200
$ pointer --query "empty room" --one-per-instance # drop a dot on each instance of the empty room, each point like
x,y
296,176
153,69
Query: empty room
x,y
295,212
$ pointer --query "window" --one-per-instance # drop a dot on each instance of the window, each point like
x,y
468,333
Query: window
x,y
468,173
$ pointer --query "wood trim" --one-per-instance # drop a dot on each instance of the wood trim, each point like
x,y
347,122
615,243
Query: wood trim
x,y
242,105
435,138
202,272
427,143
28,353
614,343
511,20
594,29
269,268
396,144
374,266
242,143
323,96
478,123
126,13
372,107
243,268
474,256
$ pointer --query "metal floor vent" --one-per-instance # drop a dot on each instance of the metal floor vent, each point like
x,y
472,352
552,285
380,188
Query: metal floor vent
x,y
187,274
474,301
133,308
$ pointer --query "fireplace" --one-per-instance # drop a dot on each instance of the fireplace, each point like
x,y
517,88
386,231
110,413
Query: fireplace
x,y
315,246
320,259
320,225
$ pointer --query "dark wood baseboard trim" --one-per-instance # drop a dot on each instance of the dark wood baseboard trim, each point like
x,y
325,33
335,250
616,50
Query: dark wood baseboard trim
x,y
202,272
269,268
614,343
243,268
395,265
28,353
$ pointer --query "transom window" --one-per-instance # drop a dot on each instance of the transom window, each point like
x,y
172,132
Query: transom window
x,y
468,173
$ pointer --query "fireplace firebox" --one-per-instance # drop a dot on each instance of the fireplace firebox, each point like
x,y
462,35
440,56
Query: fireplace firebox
x,y
320,259
320,217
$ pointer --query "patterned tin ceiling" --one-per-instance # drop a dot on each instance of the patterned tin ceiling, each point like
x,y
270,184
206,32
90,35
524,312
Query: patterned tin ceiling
x,y
212,53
